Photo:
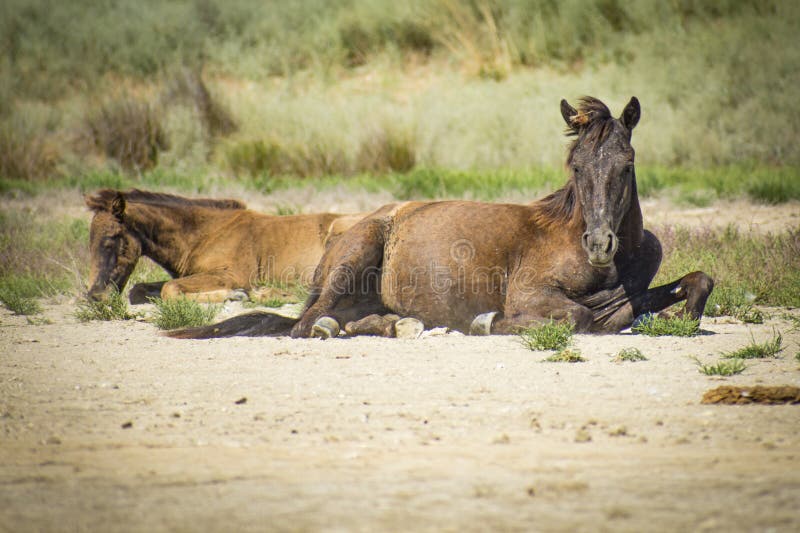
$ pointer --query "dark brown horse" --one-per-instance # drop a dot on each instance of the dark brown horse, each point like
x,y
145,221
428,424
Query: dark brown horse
x,y
209,246
579,255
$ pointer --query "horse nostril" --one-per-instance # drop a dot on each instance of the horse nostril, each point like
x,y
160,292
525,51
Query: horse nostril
x,y
610,242
585,240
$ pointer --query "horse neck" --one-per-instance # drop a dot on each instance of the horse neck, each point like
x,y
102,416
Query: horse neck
x,y
631,228
167,234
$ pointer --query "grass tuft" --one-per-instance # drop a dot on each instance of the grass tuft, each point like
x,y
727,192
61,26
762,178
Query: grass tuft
x,y
755,350
677,326
265,302
128,131
114,308
723,368
565,355
549,336
182,312
630,355
19,304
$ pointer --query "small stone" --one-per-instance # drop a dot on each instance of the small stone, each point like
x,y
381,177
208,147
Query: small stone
x,y
502,439
620,431
241,400
408,328
53,439
127,425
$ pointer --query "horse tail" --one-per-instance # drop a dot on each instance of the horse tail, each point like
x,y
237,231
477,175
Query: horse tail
x,y
256,324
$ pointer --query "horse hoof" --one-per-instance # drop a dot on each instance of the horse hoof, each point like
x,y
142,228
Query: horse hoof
x,y
324,328
482,325
643,319
237,295
408,328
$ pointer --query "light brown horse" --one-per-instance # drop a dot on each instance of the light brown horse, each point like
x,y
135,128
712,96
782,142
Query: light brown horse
x,y
210,247
579,255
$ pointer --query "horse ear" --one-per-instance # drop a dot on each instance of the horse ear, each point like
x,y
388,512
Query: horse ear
x,y
118,206
569,113
631,114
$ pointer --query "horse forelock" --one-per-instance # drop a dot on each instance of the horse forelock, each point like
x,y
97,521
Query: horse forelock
x,y
592,125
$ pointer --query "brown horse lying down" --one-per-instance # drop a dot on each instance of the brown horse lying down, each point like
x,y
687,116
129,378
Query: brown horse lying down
x,y
579,255
209,246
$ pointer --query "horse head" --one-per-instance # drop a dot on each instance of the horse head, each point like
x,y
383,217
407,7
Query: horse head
x,y
114,248
601,163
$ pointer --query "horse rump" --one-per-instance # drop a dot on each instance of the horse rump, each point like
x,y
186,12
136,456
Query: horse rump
x,y
255,324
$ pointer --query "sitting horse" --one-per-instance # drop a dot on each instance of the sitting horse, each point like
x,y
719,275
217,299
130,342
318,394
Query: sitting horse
x,y
579,255
210,247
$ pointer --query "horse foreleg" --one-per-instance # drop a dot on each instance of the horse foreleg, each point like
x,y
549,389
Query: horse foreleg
x,y
621,309
346,284
142,292
537,309
205,288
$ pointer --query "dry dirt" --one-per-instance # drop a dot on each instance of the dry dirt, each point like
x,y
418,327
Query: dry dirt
x,y
110,427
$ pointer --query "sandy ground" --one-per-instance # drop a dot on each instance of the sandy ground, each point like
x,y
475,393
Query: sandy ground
x,y
110,427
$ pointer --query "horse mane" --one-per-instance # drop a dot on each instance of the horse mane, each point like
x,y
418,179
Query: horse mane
x,y
102,200
557,207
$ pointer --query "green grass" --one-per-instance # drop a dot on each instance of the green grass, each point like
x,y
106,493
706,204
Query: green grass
x,y
265,302
677,326
19,291
630,355
736,302
755,350
20,305
748,268
114,308
549,336
181,312
565,355
722,368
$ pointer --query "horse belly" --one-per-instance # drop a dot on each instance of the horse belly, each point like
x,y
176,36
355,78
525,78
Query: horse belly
x,y
442,280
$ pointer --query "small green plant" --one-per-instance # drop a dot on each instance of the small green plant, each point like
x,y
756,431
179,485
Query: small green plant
x,y
182,312
723,368
549,336
19,304
755,350
565,355
676,326
265,302
114,308
629,354
736,302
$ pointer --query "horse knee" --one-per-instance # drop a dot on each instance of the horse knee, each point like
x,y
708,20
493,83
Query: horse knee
x,y
582,319
171,290
697,287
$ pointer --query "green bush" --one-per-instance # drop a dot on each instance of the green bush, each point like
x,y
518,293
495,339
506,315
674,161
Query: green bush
x,y
548,336
677,326
756,350
113,308
182,312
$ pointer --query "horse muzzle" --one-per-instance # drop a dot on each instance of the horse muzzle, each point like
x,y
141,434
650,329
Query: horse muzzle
x,y
99,294
600,244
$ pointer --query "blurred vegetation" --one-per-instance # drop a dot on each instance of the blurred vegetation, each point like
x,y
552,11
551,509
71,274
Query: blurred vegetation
x,y
747,268
261,90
